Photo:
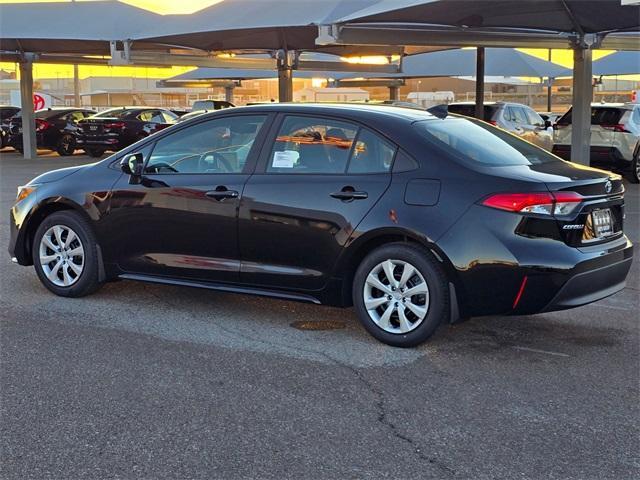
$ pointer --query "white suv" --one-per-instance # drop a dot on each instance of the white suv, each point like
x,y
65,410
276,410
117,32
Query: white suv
x,y
615,137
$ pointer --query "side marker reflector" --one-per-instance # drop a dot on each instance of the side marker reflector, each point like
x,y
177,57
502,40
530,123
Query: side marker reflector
x,y
520,292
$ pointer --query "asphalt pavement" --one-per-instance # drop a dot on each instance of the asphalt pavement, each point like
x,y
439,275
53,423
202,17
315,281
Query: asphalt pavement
x,y
149,381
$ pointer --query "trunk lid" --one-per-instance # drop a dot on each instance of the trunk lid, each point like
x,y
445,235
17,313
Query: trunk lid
x,y
599,216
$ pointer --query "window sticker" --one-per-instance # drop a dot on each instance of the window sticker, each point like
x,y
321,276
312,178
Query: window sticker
x,y
285,159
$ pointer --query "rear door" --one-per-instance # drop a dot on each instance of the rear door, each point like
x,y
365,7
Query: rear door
x,y
317,179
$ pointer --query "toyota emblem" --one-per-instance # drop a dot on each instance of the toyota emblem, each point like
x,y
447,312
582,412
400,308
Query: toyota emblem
x,y
608,186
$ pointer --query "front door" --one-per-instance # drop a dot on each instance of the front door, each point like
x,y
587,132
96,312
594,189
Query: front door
x,y
181,220
317,179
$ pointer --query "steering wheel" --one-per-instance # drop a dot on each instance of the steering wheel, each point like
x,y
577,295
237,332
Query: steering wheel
x,y
219,158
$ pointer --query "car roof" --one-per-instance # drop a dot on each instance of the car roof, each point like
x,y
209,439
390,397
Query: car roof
x,y
352,110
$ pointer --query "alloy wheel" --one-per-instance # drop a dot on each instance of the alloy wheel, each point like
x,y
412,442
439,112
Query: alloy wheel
x,y
61,255
396,296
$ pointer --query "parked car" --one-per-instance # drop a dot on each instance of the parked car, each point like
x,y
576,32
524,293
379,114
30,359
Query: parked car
x,y
615,137
516,118
117,128
210,105
56,129
6,112
416,220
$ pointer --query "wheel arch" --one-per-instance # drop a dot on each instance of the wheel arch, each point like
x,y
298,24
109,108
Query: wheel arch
x,y
355,252
46,208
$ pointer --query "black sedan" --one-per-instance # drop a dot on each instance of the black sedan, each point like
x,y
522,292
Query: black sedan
x,y
56,129
117,128
414,219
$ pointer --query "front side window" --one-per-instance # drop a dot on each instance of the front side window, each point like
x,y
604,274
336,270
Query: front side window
x,y
474,142
534,118
326,146
215,146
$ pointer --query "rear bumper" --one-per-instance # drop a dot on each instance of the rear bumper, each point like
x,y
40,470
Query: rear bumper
x,y
593,284
598,154
108,142
498,272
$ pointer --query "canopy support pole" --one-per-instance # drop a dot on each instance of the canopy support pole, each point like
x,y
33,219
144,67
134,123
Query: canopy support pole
x,y
76,86
394,93
549,94
285,76
581,109
480,83
26,104
228,93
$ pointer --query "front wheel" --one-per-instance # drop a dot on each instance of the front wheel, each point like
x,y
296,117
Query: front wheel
x,y
65,255
400,294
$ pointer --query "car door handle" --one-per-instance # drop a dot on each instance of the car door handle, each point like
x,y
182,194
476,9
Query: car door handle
x,y
350,195
221,193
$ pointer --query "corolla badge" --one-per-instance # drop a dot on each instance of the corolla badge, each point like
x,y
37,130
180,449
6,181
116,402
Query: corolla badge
x,y
608,186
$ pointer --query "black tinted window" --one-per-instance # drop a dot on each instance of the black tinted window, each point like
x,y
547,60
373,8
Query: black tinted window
x,y
599,116
469,110
479,143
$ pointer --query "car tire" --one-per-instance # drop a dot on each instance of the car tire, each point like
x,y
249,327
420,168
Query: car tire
x,y
634,177
65,255
66,145
387,310
94,152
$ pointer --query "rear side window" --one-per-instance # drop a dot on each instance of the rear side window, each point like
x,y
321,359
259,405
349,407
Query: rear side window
x,y
477,143
325,146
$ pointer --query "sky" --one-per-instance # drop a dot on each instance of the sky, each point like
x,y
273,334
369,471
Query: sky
x,y
562,57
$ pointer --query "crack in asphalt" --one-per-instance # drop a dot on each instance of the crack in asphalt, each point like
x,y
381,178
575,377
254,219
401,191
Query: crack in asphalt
x,y
380,402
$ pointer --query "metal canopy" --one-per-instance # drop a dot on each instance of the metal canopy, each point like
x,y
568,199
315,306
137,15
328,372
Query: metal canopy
x,y
70,27
503,62
259,24
619,63
568,16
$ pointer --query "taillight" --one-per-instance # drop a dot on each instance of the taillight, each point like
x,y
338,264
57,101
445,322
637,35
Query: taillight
x,y
493,122
42,125
114,125
541,203
616,128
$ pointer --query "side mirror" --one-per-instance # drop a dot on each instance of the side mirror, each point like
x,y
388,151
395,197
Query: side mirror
x,y
132,165
547,124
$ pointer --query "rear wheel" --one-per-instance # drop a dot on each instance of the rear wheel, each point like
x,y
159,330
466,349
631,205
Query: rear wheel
x,y
66,145
65,255
94,152
400,294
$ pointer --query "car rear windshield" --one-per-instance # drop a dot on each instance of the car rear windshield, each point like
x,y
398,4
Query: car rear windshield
x,y
475,142
42,114
113,113
599,116
470,110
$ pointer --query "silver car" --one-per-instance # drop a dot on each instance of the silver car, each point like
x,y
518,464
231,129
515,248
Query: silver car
x,y
615,137
516,118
